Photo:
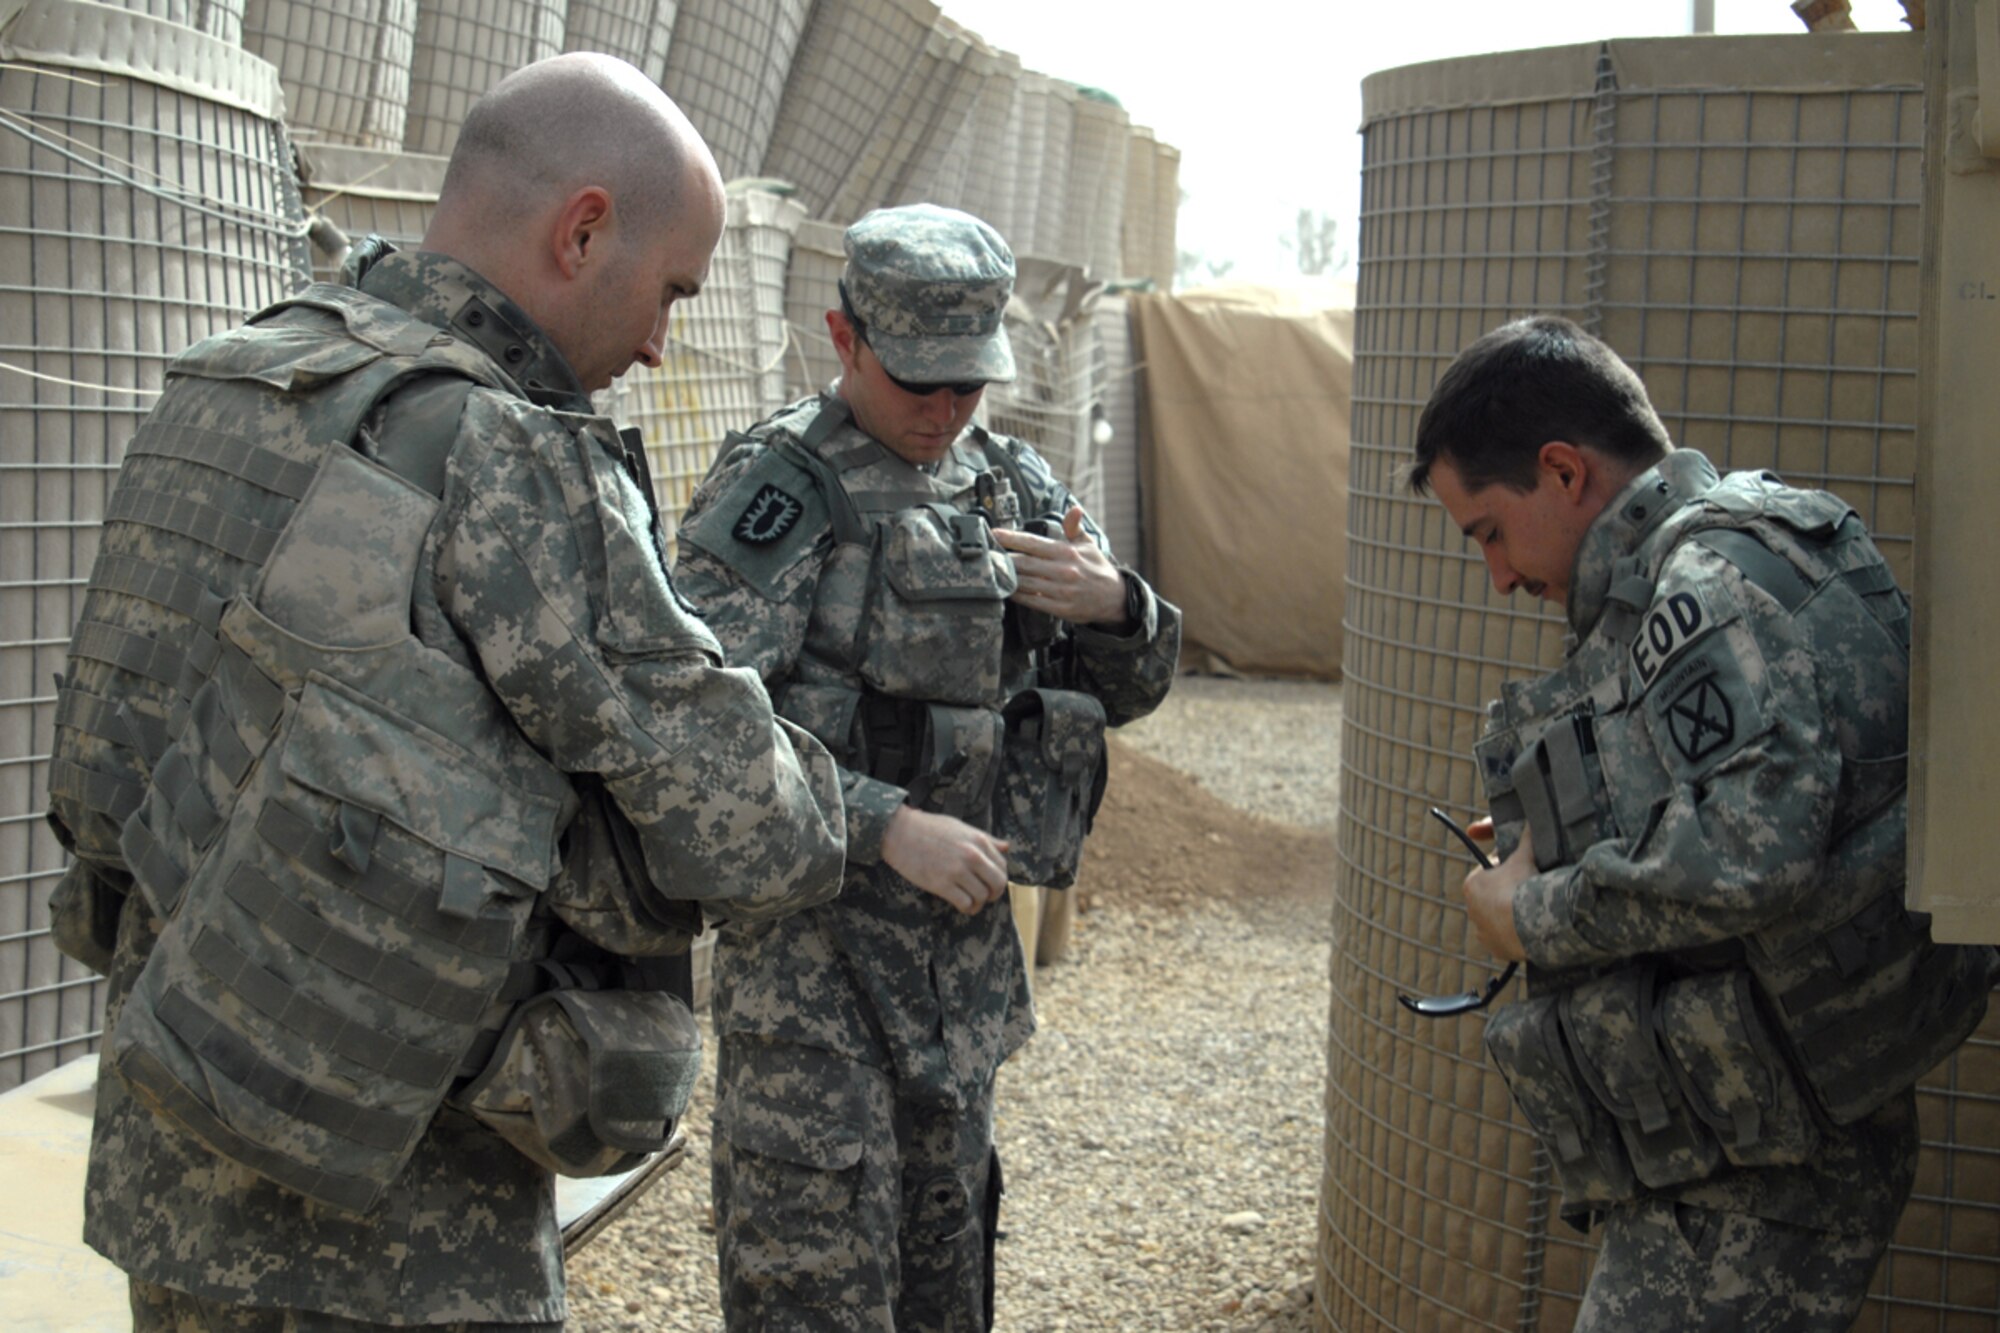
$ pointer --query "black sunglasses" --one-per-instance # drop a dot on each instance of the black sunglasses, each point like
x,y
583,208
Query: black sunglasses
x,y
1448,1006
959,388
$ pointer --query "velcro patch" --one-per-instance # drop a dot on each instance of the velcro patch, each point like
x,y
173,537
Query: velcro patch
x,y
1701,720
1669,626
768,516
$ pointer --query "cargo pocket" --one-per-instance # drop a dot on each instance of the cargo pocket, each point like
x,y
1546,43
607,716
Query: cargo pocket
x,y
1732,1071
1610,1027
1526,1043
1051,781
933,627
793,1168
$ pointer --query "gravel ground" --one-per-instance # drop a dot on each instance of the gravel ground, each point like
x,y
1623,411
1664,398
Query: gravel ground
x,y
1162,1132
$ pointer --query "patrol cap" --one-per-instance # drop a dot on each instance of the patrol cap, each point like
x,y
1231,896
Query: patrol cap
x,y
929,286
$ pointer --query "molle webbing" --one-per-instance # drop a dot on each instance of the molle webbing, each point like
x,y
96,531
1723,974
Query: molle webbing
x,y
261,467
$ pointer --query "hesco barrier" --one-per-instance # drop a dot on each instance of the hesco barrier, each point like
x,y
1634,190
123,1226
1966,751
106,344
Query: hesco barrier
x,y
364,190
637,31
727,65
857,58
464,47
146,201
1740,219
722,348
345,68
812,287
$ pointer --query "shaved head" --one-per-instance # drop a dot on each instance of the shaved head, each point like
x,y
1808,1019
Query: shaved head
x,y
580,190
567,122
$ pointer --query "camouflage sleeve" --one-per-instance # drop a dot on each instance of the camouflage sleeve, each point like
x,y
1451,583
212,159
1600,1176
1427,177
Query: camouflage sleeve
x,y
1728,727
1129,672
547,569
757,598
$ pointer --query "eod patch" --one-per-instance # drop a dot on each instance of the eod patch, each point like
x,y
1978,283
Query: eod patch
x,y
1669,626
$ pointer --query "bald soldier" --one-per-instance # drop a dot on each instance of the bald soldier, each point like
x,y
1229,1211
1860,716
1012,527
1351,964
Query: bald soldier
x,y
386,744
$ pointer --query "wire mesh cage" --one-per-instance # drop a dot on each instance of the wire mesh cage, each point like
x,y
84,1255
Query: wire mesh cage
x,y
990,153
906,148
812,287
1094,196
1739,219
1166,214
722,352
464,47
636,31
220,19
1116,404
727,66
1048,124
136,217
1136,222
344,64
858,58
1058,368
354,192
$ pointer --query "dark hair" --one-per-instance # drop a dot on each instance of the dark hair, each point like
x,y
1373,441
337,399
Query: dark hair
x,y
1522,385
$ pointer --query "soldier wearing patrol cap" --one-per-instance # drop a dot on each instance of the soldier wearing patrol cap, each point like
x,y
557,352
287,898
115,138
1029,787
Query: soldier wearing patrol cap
x,y
1702,818
929,601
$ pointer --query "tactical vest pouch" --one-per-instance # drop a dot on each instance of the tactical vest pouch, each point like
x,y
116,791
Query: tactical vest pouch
x,y
958,762
337,950
587,1083
1609,1024
1051,782
828,713
1525,1041
1732,1071
1561,787
932,628
1870,1006
83,916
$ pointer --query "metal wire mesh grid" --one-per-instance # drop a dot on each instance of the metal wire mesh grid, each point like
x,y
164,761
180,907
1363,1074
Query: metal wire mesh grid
x,y
727,66
914,131
991,151
464,47
1094,203
637,31
925,164
1166,214
1058,367
1137,222
1116,395
220,19
363,191
855,61
134,220
345,65
711,380
1752,253
812,287
1049,121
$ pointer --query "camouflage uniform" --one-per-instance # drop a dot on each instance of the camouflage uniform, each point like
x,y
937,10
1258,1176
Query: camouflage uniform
x,y
855,1184
539,581
1728,1004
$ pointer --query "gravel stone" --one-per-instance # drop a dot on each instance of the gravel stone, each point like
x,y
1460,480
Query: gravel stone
x,y
1162,1132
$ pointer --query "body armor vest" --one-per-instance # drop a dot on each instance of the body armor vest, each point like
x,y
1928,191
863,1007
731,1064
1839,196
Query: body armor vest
x,y
342,829
1663,1070
916,669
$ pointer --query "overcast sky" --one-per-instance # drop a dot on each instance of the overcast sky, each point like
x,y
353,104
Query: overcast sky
x,y
1263,97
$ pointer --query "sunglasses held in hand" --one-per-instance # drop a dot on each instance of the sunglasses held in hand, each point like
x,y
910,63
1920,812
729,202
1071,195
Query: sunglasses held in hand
x,y
1447,1006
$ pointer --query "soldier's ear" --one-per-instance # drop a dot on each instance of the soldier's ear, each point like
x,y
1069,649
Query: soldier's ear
x,y
1565,466
576,233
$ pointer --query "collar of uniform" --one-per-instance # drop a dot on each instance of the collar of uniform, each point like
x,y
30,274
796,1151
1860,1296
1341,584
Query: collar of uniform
x,y
1625,523
439,290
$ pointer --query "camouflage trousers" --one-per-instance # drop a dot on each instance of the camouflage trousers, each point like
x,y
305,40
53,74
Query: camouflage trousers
x,y
158,1309
1667,1267
844,1201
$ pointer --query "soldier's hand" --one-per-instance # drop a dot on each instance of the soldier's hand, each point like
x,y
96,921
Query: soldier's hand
x,y
1069,577
1489,899
946,858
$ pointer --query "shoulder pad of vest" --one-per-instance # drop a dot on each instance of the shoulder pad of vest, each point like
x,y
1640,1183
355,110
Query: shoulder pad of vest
x,y
289,357
765,516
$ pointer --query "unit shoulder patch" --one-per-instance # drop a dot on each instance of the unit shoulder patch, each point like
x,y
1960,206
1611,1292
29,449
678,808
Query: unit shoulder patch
x,y
1670,625
771,513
